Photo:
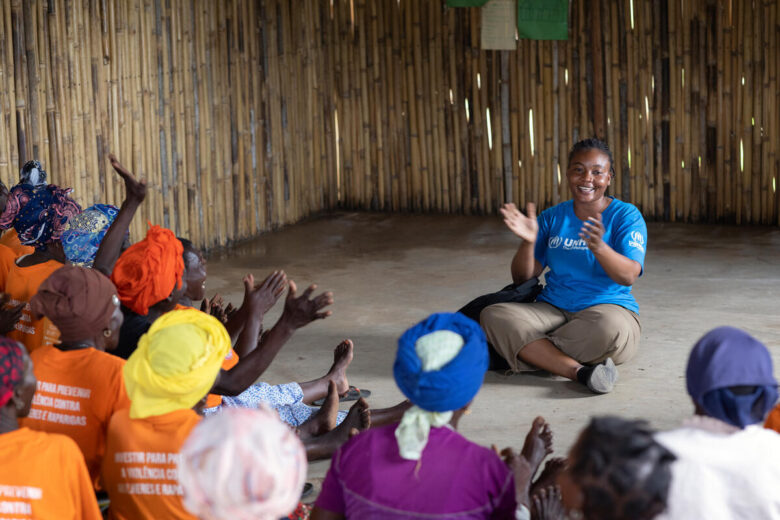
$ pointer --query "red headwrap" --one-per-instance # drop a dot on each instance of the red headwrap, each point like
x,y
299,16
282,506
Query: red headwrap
x,y
11,368
148,271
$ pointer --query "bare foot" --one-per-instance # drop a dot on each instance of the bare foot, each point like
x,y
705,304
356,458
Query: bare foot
x,y
549,474
523,473
324,419
357,420
342,357
547,504
393,414
538,443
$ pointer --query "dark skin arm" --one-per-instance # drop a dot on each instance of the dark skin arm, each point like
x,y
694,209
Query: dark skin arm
x,y
298,312
620,268
524,265
271,289
111,246
324,514
9,315
257,300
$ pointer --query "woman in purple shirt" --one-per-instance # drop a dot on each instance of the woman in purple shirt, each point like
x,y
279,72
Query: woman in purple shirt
x,y
422,467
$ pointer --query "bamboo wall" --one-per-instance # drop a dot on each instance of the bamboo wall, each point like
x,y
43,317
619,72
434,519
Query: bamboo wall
x,y
248,114
217,104
684,91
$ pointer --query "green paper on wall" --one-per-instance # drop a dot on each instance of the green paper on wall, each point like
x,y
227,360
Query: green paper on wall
x,y
466,3
543,19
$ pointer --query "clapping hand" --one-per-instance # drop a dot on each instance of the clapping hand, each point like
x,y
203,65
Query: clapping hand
x,y
216,307
301,310
9,316
525,227
261,297
592,232
136,189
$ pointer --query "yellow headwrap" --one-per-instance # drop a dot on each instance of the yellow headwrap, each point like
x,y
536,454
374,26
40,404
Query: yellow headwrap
x,y
176,363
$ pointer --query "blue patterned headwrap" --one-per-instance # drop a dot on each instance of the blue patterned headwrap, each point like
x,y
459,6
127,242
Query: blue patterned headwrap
x,y
84,232
454,385
38,214
727,357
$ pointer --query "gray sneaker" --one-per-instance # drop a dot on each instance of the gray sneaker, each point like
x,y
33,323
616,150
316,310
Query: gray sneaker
x,y
603,378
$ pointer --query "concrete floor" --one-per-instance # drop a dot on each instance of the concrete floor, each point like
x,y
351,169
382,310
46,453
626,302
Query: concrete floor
x,y
388,271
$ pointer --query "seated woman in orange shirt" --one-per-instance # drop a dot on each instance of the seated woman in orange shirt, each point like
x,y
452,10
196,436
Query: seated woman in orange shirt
x,y
39,216
171,371
80,386
43,476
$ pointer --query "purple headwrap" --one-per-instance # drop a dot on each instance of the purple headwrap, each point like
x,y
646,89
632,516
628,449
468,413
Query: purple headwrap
x,y
724,358
38,214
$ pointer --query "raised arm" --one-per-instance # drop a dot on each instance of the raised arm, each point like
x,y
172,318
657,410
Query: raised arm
x,y
621,269
298,312
111,246
524,265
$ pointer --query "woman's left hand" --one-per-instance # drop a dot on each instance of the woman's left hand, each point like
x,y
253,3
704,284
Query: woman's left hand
x,y
592,233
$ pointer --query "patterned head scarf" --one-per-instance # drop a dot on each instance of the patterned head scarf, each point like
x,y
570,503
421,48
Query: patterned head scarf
x,y
79,301
149,270
440,365
725,358
38,214
242,464
11,368
84,233
32,173
176,363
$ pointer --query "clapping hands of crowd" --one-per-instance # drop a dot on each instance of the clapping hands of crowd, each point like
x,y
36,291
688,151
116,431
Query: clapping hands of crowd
x,y
259,298
302,310
525,227
9,314
216,307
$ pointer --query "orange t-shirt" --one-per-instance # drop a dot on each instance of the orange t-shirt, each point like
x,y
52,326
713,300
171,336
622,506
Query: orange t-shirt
x,y
10,238
230,361
21,283
773,419
43,477
7,258
140,466
78,392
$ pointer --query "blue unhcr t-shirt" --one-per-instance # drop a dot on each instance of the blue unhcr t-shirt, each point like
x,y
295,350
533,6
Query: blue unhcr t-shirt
x,y
576,280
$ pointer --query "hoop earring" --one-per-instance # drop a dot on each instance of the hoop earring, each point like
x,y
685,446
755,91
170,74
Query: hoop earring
x,y
107,333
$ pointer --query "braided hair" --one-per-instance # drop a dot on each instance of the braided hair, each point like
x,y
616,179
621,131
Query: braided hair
x,y
593,144
623,472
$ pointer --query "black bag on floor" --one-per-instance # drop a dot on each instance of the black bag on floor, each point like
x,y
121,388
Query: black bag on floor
x,y
515,293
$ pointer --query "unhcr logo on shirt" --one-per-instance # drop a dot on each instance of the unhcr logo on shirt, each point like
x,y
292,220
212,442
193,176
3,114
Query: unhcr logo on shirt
x,y
637,241
568,243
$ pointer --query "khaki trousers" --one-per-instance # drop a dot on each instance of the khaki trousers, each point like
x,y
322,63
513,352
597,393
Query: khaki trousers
x,y
590,336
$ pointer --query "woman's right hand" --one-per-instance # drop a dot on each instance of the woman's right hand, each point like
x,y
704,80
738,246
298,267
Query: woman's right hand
x,y
526,227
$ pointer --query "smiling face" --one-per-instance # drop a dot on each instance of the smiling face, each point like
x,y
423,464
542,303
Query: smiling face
x,y
195,274
589,175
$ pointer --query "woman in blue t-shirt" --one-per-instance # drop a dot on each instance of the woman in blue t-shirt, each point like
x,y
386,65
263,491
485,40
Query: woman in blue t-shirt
x,y
586,319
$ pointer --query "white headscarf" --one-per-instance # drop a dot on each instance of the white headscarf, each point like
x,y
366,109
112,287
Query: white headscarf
x,y
242,464
435,350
